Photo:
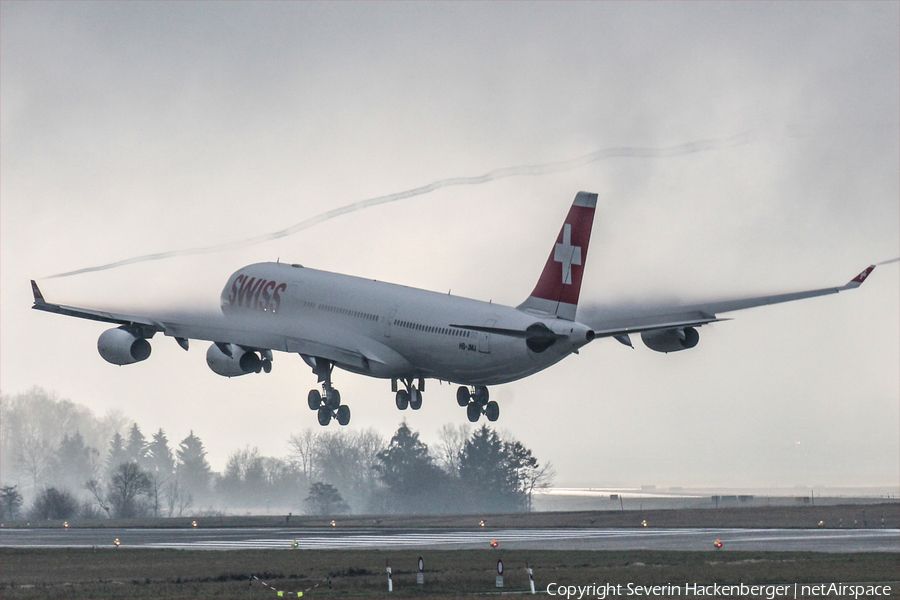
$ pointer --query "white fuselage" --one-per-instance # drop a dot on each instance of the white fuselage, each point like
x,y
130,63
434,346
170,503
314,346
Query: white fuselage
x,y
393,331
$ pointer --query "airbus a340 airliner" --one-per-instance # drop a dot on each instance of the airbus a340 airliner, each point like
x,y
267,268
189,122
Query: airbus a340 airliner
x,y
408,335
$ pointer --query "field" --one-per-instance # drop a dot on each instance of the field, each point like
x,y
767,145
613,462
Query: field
x,y
151,573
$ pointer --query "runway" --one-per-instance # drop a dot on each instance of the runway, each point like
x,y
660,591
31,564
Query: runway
x,y
814,540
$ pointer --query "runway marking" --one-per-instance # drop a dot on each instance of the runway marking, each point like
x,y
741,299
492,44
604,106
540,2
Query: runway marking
x,y
345,541
850,540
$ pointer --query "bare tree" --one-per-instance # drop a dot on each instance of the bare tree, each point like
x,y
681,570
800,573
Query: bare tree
x,y
370,444
112,422
346,458
452,441
177,498
96,490
303,451
34,423
324,499
33,455
127,484
537,479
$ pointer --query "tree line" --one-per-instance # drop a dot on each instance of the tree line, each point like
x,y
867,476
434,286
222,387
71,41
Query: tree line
x,y
56,453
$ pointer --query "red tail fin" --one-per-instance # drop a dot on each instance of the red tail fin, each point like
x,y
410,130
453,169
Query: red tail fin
x,y
557,290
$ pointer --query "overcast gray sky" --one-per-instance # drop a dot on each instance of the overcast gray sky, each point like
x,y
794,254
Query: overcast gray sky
x,y
134,128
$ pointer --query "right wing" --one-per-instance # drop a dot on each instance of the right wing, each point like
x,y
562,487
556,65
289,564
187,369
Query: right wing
x,y
252,333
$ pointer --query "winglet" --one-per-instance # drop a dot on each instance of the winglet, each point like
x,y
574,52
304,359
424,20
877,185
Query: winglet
x,y
38,296
858,280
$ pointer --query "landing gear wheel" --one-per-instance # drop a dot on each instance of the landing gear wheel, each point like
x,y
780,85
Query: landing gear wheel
x,y
415,399
327,403
314,399
473,411
402,399
334,399
492,411
267,365
463,396
481,395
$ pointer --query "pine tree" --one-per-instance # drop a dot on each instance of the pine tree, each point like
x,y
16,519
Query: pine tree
x,y
10,502
136,449
486,472
193,469
525,470
409,472
159,456
117,454
74,464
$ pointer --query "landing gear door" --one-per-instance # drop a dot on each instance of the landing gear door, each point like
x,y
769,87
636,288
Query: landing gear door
x,y
387,322
484,340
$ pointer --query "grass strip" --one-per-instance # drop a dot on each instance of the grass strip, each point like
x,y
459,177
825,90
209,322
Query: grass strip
x,y
160,573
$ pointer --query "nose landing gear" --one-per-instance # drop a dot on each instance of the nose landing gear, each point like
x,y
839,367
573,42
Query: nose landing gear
x,y
477,403
327,402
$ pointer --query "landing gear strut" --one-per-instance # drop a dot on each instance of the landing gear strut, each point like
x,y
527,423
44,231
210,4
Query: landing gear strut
x,y
411,396
327,402
477,402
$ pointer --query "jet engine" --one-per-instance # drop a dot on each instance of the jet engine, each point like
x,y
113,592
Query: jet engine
x,y
671,340
540,337
120,347
230,360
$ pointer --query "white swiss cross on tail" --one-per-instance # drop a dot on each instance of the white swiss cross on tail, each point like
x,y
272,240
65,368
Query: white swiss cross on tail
x,y
567,254
559,286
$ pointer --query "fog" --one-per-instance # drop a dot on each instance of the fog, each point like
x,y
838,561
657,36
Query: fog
x,y
138,129
556,167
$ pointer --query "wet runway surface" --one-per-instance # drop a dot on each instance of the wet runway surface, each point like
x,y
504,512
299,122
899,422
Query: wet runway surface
x,y
815,540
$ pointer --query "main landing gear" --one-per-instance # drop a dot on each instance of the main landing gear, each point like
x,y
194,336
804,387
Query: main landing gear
x,y
328,401
477,403
410,397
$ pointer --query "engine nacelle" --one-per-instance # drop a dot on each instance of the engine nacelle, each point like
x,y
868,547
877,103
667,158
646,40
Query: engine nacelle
x,y
671,340
239,363
120,347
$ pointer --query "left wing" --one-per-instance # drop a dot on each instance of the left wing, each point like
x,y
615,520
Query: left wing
x,y
695,315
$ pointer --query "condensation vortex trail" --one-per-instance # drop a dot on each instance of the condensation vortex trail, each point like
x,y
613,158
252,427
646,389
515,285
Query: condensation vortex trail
x,y
532,170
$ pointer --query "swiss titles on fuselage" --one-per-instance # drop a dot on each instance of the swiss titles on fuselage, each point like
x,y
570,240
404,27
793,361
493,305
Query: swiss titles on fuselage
x,y
256,294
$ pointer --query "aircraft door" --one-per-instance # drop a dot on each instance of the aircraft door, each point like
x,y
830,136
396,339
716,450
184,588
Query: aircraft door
x,y
387,322
294,295
484,341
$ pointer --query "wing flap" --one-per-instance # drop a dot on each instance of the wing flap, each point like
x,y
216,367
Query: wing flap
x,y
653,323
